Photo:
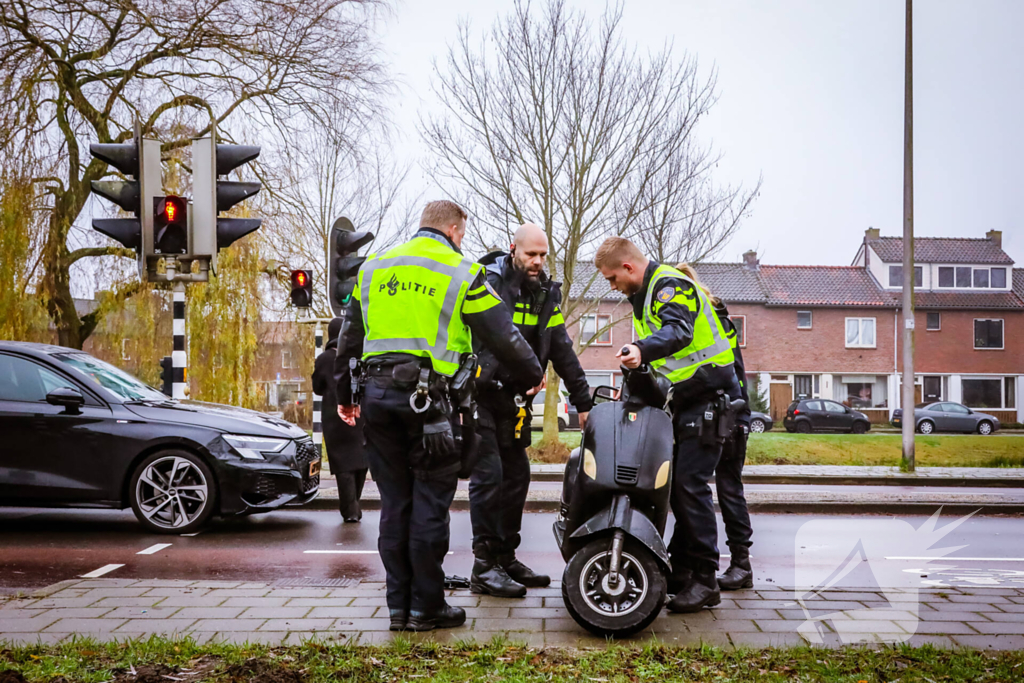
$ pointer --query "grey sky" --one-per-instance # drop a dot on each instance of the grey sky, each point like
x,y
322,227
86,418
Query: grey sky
x,y
811,96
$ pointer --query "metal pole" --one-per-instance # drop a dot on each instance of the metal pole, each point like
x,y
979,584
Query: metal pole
x,y
179,359
318,429
908,248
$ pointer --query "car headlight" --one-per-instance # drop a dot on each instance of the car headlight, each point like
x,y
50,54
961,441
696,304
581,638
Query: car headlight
x,y
253,447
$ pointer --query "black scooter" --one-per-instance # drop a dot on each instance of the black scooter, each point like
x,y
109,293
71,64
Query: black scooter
x,y
615,502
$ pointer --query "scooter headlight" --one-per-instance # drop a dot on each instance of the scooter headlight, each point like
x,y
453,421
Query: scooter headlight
x,y
661,478
589,464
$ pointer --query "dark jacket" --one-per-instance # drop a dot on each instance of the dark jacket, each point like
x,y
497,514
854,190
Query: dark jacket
x,y
547,337
676,334
739,388
345,445
492,327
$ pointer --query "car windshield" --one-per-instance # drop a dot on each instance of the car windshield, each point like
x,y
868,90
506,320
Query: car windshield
x,y
111,378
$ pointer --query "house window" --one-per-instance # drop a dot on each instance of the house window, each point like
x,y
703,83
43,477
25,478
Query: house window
x,y
126,349
946,276
896,276
988,334
983,393
934,320
286,359
597,330
998,279
1011,392
860,333
803,320
963,277
740,323
980,278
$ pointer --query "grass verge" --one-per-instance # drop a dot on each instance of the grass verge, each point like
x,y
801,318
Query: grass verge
x,y
774,448
159,660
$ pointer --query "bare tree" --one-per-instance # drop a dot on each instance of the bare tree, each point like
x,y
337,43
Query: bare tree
x,y
554,119
329,173
80,71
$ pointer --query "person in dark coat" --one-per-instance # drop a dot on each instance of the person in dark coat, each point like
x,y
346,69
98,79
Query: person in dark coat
x,y
344,443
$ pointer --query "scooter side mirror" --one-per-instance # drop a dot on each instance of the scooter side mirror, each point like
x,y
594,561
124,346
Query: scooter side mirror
x,y
603,394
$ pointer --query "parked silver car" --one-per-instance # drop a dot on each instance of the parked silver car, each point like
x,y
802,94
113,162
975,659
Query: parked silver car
x,y
946,416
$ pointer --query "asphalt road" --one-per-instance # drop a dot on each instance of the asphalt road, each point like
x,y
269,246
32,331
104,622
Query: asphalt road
x,y
42,547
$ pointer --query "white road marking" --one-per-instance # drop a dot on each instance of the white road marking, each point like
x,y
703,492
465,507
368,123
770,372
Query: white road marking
x,y
153,549
192,534
347,552
105,569
951,558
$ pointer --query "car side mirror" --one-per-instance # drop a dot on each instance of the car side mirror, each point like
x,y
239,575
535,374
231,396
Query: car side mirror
x,y
603,394
69,397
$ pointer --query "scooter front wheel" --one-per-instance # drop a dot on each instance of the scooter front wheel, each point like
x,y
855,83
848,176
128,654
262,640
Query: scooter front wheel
x,y
607,607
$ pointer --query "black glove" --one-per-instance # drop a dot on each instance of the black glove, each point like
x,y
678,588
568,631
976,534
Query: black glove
x,y
438,438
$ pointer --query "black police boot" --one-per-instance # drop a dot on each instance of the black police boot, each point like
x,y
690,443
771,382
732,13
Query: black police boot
x,y
446,617
679,580
399,619
520,573
491,578
700,593
738,575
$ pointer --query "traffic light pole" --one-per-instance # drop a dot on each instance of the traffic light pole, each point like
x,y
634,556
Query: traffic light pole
x,y
318,430
179,359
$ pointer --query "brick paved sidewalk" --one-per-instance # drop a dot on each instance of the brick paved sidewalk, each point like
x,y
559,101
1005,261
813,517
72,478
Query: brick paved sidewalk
x,y
116,609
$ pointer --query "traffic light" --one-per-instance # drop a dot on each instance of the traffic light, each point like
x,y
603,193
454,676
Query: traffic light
x,y
167,375
343,263
139,159
210,196
170,225
302,289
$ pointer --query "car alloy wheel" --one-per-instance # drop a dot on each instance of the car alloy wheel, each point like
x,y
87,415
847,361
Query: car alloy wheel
x,y
172,493
926,427
985,428
757,426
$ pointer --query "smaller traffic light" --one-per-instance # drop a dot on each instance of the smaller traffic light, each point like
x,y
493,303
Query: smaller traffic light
x,y
342,262
167,376
170,225
302,289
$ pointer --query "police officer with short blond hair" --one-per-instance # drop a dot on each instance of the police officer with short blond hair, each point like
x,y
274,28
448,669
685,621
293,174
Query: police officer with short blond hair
x,y
412,321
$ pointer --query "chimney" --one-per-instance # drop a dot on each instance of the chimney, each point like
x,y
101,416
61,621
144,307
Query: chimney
x,y
872,234
750,261
995,236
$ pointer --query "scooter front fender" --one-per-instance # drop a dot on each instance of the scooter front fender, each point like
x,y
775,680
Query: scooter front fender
x,y
620,515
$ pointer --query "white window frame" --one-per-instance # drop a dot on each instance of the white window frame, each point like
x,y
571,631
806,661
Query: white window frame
x,y
1002,322
917,269
597,327
991,378
860,322
932,329
289,363
807,327
125,352
938,278
743,341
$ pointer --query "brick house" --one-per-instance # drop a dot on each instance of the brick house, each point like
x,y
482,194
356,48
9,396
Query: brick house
x,y
833,331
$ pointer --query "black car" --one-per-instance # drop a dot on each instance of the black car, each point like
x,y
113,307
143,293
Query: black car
x,y
947,416
79,432
821,415
760,422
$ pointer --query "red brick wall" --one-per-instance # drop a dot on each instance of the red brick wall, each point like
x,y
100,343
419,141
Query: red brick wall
x,y
597,357
951,349
774,344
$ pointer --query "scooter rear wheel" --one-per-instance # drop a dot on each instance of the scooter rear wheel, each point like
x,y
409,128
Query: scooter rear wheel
x,y
619,609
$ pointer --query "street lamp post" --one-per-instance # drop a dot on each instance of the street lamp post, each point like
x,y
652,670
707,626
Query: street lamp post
x,y
908,247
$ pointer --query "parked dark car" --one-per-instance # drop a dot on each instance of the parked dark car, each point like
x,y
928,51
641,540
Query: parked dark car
x,y
821,415
946,416
759,422
79,432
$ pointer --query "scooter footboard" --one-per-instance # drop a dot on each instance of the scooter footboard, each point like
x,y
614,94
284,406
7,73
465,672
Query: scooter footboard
x,y
620,515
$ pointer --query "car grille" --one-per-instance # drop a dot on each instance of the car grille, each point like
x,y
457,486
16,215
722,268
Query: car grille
x,y
626,474
267,487
306,453
311,484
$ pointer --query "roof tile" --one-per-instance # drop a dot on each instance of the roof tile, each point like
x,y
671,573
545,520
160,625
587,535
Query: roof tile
x,y
941,250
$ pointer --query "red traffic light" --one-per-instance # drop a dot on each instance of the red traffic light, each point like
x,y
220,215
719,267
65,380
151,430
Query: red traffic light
x,y
302,289
173,209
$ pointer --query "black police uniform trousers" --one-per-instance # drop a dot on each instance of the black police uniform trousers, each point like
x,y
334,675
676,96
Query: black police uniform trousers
x,y
731,500
694,544
414,521
498,488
